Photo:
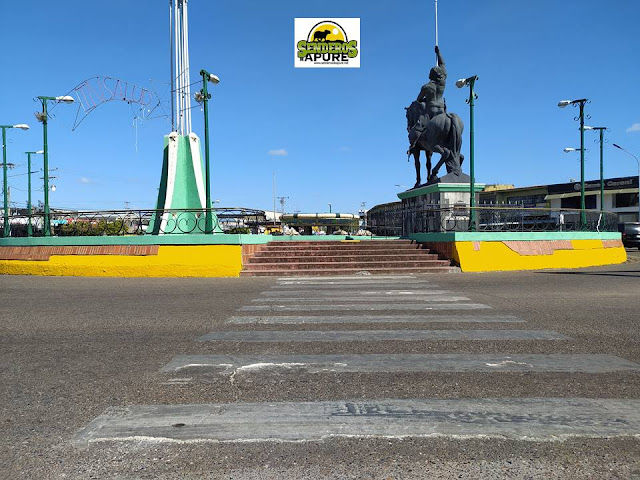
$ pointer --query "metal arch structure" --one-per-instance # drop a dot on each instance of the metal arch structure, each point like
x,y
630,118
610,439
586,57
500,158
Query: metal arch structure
x,y
96,91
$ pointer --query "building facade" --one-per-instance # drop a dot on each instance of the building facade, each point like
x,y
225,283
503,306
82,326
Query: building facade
x,y
620,196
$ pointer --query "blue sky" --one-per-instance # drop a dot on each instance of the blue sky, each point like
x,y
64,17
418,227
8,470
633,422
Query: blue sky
x,y
343,130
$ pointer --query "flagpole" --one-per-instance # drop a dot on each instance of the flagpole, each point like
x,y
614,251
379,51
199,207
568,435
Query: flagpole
x,y
436,22
436,28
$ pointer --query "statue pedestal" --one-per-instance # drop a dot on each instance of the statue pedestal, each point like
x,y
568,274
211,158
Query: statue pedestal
x,y
439,207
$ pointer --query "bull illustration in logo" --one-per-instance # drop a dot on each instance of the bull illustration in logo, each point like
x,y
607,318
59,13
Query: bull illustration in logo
x,y
321,36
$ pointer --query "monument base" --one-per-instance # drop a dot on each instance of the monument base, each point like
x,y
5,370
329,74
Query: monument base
x,y
452,178
437,207
182,187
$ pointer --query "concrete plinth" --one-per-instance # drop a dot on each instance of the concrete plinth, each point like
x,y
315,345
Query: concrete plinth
x,y
438,207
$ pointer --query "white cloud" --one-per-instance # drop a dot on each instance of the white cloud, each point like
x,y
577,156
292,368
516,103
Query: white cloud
x,y
634,128
281,152
85,180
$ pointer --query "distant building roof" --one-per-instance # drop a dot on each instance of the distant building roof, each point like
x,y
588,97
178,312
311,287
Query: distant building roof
x,y
498,186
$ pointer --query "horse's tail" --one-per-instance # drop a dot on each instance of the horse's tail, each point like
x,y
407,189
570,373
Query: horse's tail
x,y
455,136
456,133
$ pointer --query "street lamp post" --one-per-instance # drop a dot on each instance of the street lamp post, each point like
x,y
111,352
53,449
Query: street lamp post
x,y
601,130
580,102
638,162
463,82
42,117
29,207
204,96
6,230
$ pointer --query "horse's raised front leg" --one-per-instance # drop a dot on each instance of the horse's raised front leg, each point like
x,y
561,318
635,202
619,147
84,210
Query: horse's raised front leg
x,y
416,158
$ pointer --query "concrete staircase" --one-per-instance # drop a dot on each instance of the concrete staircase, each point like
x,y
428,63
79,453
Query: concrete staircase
x,y
343,258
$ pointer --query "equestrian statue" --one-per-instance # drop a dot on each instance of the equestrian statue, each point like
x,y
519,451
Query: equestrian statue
x,y
432,129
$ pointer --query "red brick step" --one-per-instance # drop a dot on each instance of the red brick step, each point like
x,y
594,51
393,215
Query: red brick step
x,y
337,258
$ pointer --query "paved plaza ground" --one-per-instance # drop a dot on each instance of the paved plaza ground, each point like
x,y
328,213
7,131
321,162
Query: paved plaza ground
x,y
327,360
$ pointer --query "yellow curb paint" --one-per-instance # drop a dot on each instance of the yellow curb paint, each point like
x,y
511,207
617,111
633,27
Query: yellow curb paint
x,y
226,261
587,244
496,256
171,261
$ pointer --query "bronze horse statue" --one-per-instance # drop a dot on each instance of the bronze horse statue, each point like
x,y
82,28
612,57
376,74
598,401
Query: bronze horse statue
x,y
432,129
441,134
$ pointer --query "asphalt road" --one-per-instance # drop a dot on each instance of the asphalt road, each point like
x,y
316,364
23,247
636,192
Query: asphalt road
x,y
71,348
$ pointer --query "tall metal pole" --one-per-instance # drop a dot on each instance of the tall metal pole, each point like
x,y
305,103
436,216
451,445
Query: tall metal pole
x,y
472,183
436,22
29,227
5,204
638,162
583,214
173,80
436,28
274,199
176,71
207,179
601,169
47,225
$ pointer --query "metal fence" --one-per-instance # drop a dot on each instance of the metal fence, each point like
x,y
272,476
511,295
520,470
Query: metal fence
x,y
403,221
136,222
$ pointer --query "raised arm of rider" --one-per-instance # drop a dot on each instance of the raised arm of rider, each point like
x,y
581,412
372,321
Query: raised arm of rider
x,y
440,60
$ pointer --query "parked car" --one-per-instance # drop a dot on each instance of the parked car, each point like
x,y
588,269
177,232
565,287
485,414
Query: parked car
x,y
630,234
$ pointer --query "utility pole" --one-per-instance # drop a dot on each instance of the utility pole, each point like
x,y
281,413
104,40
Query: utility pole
x,y
6,193
363,215
580,102
205,96
274,199
282,202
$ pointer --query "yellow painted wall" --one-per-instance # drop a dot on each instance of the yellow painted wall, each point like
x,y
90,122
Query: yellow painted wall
x,y
496,256
171,261
226,261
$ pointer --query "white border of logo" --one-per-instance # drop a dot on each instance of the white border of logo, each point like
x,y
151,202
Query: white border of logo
x,y
301,30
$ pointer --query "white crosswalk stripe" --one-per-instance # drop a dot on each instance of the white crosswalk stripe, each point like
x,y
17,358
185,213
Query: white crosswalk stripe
x,y
379,335
354,286
359,293
398,318
362,283
385,363
512,418
399,298
354,278
345,307
374,300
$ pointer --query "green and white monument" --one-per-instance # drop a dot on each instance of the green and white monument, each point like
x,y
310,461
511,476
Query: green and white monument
x,y
182,183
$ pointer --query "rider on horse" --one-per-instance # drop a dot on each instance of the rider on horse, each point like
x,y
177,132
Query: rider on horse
x,y
431,96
